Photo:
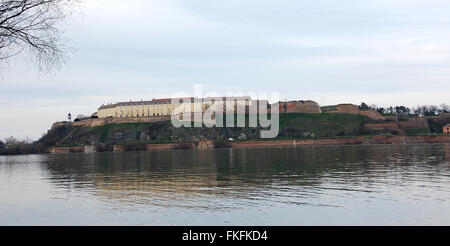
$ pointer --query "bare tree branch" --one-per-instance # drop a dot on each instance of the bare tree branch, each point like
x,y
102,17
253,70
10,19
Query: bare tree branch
x,y
31,26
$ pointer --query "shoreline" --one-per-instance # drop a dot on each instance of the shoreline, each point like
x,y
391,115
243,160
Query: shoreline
x,y
202,145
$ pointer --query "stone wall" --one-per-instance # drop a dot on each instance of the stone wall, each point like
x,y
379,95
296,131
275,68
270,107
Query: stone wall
x,y
352,109
310,107
62,150
203,144
399,127
414,123
342,109
106,121
286,143
373,114
89,149
390,127
345,141
119,148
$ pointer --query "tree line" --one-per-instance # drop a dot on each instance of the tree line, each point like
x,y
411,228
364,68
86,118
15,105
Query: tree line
x,y
13,146
423,110
33,27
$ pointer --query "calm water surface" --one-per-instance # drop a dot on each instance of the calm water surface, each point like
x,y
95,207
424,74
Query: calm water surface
x,y
337,185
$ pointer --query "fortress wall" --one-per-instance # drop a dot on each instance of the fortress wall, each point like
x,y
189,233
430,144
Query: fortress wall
x,y
347,109
59,124
161,146
391,118
310,107
341,109
352,109
393,126
136,120
62,150
345,141
203,144
373,114
414,123
285,143
89,149
119,148
97,122
104,121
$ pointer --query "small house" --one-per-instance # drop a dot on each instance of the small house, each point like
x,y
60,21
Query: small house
x,y
446,129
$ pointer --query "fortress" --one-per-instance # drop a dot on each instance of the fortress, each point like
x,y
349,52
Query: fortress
x,y
162,109
109,128
167,107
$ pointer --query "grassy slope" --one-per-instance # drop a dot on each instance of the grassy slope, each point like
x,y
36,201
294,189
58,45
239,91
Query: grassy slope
x,y
292,126
322,125
325,125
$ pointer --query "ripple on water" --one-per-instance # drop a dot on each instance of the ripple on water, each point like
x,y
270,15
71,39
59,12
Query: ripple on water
x,y
360,184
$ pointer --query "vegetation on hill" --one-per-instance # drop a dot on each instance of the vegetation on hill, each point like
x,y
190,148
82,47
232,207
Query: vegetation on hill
x,y
135,136
292,126
321,125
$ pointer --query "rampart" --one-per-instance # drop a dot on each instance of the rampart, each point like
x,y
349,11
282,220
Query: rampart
x,y
105,121
310,107
279,143
352,109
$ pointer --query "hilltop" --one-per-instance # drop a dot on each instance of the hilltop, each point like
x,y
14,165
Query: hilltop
x,y
292,126
299,120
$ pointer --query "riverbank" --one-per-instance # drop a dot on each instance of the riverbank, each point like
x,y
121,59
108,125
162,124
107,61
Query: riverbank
x,y
201,145
307,185
294,129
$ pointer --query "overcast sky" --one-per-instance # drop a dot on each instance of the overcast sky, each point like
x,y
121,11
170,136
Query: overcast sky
x,y
383,52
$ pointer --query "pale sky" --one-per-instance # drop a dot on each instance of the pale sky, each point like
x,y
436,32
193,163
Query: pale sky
x,y
383,52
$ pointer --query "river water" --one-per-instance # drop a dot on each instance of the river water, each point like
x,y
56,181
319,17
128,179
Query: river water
x,y
324,185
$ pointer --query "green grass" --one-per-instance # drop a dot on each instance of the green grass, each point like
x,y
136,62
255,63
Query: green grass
x,y
417,131
324,125
103,131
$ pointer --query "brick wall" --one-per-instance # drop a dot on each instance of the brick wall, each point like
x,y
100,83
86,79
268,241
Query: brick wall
x,y
61,150
300,107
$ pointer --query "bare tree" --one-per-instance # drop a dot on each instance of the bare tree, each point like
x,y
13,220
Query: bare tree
x,y
31,26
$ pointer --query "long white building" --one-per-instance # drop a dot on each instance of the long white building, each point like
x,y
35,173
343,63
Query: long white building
x,y
162,107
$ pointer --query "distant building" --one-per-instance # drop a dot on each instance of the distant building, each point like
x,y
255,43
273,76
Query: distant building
x,y
446,129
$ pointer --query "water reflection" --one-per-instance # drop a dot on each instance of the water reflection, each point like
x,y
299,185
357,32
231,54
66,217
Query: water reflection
x,y
280,180
187,178
447,151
